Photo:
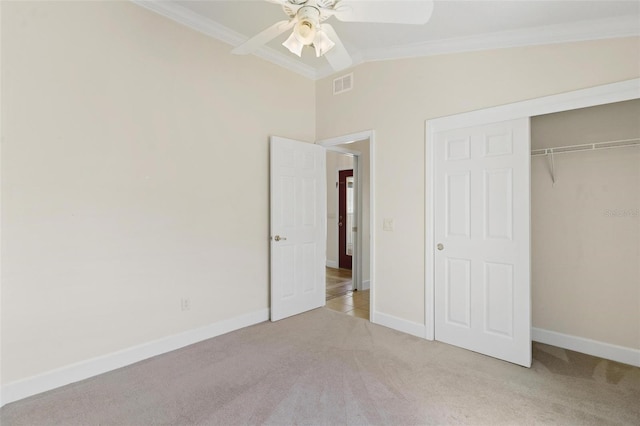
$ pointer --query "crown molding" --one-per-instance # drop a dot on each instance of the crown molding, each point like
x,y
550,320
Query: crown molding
x,y
286,61
184,16
627,26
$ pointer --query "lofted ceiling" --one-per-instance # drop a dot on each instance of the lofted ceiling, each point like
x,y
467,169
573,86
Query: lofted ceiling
x,y
455,26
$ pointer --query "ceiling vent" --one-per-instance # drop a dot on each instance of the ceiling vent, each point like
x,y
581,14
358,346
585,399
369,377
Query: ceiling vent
x,y
343,84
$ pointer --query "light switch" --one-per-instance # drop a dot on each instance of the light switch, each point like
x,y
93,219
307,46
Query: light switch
x,y
387,224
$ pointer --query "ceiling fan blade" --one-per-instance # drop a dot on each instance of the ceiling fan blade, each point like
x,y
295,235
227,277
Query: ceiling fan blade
x,y
338,56
264,37
385,11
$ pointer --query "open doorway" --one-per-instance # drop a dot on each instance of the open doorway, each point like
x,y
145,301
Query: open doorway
x,y
348,226
340,203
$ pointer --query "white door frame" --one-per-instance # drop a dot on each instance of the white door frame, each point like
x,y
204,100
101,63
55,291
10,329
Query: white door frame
x,y
599,95
330,144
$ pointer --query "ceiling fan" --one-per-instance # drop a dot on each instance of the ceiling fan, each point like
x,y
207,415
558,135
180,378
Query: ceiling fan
x,y
307,17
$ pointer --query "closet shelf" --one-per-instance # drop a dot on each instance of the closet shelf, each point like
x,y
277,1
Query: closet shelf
x,y
622,143
550,152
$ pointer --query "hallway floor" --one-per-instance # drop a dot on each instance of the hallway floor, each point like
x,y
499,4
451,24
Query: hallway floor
x,y
340,296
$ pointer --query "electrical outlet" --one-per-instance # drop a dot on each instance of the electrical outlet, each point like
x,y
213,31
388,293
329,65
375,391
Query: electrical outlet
x,y
185,304
387,224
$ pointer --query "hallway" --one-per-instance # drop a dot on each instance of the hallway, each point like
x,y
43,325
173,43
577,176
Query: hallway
x,y
340,296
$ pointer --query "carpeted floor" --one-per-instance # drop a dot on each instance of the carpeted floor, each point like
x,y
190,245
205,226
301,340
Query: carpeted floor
x,y
327,368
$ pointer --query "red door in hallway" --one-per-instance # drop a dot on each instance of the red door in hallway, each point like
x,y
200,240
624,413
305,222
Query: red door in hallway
x,y
345,218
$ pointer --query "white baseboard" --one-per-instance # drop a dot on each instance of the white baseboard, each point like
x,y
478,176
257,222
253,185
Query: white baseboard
x,y
92,367
409,327
366,285
332,264
587,346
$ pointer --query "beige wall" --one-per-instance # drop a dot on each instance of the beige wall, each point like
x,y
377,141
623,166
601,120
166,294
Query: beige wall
x,y
602,123
134,174
396,97
586,226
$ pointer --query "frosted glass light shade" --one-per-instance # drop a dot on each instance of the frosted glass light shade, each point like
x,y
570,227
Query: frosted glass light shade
x,y
305,32
293,44
322,43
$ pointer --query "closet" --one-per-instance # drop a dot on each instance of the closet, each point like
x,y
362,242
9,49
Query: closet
x,y
585,223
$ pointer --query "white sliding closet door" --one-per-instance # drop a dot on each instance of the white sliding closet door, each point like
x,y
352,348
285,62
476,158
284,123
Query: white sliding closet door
x,y
482,232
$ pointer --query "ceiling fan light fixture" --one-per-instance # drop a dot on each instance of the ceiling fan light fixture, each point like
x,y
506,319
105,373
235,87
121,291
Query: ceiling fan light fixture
x,y
305,31
293,44
322,43
304,18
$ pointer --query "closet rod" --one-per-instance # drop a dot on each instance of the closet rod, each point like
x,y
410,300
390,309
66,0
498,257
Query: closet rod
x,y
622,143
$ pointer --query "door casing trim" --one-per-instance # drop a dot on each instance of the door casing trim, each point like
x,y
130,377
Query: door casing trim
x,y
330,144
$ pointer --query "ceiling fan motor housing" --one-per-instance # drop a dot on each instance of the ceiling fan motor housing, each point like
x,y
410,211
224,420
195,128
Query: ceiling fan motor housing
x,y
308,22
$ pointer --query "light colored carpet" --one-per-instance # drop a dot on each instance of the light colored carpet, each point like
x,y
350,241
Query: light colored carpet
x,y
326,368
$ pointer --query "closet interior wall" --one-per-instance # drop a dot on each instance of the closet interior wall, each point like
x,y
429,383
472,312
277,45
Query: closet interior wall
x,y
586,225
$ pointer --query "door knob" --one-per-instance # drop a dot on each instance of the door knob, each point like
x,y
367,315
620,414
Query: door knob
x,y
339,223
278,238
440,246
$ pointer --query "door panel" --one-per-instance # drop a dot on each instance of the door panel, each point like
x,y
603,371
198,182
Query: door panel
x,y
298,229
482,226
498,288
498,203
458,292
458,205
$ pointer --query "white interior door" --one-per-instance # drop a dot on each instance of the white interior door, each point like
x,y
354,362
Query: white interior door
x,y
298,227
482,232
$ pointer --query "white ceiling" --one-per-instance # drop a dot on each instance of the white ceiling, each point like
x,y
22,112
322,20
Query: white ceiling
x,y
455,26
